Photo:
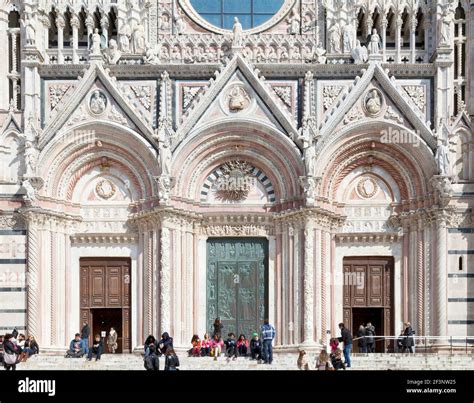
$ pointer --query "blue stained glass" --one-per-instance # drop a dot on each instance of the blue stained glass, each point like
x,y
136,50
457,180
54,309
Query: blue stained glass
x,y
207,6
266,6
237,6
251,13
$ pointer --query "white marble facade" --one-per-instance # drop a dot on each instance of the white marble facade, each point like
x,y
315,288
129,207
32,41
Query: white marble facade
x,y
347,142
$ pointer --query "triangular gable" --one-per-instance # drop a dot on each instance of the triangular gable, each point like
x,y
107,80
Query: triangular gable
x,y
462,120
11,124
238,65
94,73
402,102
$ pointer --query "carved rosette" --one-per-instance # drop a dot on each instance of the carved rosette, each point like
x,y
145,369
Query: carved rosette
x,y
105,189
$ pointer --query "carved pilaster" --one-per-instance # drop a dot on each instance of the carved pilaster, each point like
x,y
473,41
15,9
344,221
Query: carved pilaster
x,y
165,280
308,284
33,278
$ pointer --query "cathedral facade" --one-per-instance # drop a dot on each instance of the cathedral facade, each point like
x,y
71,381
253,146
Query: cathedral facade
x,y
168,162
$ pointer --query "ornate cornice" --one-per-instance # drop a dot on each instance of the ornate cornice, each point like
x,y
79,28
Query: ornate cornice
x,y
104,238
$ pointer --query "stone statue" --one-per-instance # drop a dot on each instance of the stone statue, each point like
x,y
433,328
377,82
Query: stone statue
x,y
442,158
373,102
374,44
334,39
237,33
294,22
347,38
319,55
113,54
96,43
447,17
165,153
139,42
238,99
98,102
179,24
152,54
125,35
30,32
31,158
30,190
360,53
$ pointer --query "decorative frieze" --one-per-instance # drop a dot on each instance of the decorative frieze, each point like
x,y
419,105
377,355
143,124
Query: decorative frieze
x,y
237,230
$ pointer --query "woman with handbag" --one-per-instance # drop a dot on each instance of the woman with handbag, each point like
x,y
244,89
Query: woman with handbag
x,y
10,353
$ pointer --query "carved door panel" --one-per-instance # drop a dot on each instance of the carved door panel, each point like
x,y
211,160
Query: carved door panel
x,y
236,284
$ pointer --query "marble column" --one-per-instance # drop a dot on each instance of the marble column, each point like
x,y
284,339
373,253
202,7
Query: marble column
x,y
308,286
75,23
413,24
165,279
440,286
60,23
420,280
5,50
398,38
33,281
384,38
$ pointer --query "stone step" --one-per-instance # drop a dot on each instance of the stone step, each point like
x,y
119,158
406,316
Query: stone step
x,y
282,361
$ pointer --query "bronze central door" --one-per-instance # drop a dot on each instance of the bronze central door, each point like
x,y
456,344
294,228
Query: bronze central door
x,y
237,284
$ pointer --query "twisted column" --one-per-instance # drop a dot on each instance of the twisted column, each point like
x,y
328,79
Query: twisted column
x,y
308,284
54,316
33,282
165,281
324,324
149,283
420,284
440,286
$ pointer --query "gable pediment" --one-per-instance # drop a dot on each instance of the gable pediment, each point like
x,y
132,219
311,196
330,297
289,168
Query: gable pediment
x,y
394,105
237,93
98,97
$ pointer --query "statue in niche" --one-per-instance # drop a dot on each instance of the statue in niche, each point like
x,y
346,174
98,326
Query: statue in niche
x,y
238,99
31,158
374,44
179,23
447,17
139,42
113,54
360,54
334,39
294,23
373,103
347,38
125,35
97,103
96,42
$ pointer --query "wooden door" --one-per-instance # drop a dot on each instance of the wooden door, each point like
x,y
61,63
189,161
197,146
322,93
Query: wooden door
x,y
368,284
105,284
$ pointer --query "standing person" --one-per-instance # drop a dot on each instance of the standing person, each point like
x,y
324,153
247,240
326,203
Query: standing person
x,y
268,334
242,345
231,346
97,348
361,342
206,345
165,343
256,348
370,337
346,338
112,340
85,332
401,342
409,341
171,360
10,353
217,327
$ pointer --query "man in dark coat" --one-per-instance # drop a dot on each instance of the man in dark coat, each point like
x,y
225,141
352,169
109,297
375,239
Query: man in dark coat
x,y
346,338
409,342
165,343
85,332
361,340
370,337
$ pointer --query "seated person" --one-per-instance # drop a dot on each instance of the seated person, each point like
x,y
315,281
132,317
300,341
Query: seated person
x,y
31,348
165,343
151,361
242,345
216,346
150,341
97,348
231,346
206,345
336,360
196,343
256,347
76,347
